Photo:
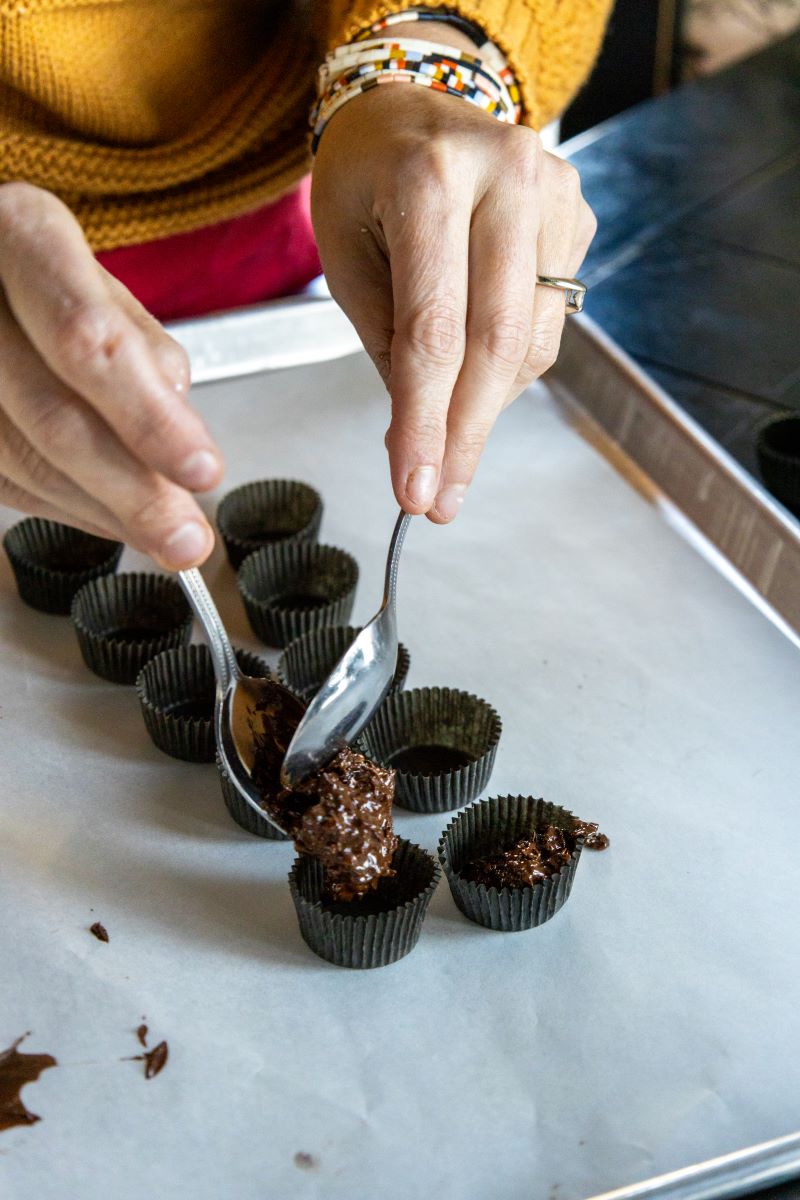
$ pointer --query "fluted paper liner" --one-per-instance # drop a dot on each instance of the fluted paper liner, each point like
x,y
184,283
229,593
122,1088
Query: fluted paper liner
x,y
185,675
244,816
308,661
107,607
441,717
267,512
51,562
488,827
374,931
778,450
271,579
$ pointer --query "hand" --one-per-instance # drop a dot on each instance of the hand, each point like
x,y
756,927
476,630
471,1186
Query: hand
x,y
95,430
432,220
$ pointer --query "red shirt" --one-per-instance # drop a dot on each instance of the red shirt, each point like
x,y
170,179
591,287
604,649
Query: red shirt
x,y
261,255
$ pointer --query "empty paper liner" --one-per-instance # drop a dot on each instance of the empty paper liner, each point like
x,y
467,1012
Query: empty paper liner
x,y
265,512
296,587
441,742
122,621
51,562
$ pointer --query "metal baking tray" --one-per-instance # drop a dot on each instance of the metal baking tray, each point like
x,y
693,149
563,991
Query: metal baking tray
x,y
612,402
669,459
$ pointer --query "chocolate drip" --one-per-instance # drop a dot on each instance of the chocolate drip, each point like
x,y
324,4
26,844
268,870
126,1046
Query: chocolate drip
x,y
15,1071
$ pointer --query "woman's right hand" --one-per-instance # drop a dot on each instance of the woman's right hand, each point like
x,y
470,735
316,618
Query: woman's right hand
x,y
95,428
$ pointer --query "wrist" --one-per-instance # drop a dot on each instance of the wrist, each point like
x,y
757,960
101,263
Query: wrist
x,y
441,32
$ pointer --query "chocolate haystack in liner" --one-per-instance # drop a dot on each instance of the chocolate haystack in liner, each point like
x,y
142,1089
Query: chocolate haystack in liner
x,y
176,694
309,660
442,743
295,587
241,812
342,816
360,892
122,621
381,927
510,861
265,512
51,562
778,451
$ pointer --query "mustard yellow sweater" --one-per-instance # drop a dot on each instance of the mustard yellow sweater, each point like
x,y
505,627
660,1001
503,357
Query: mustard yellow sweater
x,y
152,117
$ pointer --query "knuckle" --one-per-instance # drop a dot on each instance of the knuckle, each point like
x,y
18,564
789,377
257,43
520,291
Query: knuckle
x,y
155,428
28,213
150,518
437,334
17,200
31,465
524,153
587,226
174,362
543,350
471,440
419,429
567,175
12,495
505,340
88,336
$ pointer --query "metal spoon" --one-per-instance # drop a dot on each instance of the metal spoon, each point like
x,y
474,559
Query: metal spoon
x,y
356,686
240,699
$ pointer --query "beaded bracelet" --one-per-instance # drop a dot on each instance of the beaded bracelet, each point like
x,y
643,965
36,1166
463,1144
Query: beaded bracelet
x,y
357,67
440,15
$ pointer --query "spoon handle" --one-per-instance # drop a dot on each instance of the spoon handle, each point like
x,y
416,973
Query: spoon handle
x,y
393,560
226,668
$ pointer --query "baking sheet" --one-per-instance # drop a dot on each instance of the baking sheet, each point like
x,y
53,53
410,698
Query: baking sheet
x,y
649,1025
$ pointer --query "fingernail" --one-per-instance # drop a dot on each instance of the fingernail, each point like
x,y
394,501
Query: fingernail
x,y
449,501
187,544
199,470
421,485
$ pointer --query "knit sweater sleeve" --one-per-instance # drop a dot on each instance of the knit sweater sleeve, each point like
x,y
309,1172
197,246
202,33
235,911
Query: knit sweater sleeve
x,y
550,44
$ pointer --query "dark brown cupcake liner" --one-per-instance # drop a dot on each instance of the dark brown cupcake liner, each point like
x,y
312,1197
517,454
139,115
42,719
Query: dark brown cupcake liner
x,y
492,825
441,742
778,450
176,694
244,816
308,661
376,930
122,621
267,512
296,587
51,562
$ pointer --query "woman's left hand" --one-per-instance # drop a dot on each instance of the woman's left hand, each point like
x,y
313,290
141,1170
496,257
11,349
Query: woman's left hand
x,y
433,220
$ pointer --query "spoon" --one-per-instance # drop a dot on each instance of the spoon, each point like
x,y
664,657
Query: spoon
x,y
356,686
242,703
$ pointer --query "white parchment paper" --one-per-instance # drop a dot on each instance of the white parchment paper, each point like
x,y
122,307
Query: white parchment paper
x,y
653,1023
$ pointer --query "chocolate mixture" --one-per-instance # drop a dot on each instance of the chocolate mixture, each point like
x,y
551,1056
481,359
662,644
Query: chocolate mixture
x,y
530,859
280,713
341,815
593,839
15,1071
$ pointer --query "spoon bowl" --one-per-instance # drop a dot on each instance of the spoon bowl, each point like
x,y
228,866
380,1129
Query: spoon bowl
x,y
355,687
242,702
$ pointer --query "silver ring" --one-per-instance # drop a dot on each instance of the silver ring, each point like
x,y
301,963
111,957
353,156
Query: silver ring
x,y
574,291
